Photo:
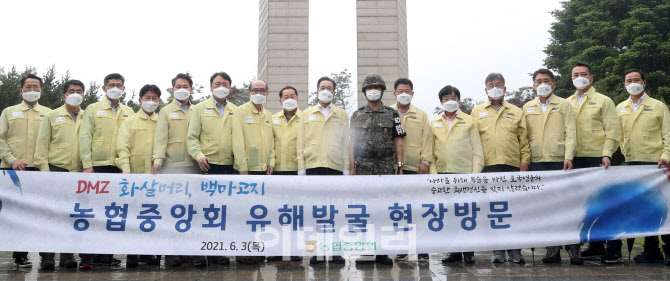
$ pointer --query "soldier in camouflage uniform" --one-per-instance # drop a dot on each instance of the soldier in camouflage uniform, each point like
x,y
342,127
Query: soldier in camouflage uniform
x,y
375,135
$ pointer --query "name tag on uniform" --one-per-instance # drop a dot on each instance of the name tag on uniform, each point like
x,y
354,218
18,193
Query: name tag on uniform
x,y
592,103
438,124
623,109
334,117
248,119
17,114
555,108
276,121
461,123
532,109
313,117
482,114
60,119
648,109
412,117
174,115
124,115
267,122
208,111
101,112
510,113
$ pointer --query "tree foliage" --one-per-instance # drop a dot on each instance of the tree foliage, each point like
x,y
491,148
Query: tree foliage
x,y
343,92
612,36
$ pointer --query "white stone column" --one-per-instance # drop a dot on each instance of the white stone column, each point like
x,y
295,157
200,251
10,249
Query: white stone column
x,y
283,48
382,43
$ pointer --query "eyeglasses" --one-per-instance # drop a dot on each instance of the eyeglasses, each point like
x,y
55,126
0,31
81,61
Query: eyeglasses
x,y
112,85
34,87
258,91
326,88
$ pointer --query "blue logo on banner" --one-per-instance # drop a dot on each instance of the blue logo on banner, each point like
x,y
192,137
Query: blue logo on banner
x,y
631,207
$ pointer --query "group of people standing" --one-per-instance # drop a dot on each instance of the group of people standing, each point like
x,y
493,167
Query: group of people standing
x,y
218,137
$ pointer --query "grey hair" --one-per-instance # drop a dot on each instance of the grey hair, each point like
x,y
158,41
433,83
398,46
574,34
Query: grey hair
x,y
494,76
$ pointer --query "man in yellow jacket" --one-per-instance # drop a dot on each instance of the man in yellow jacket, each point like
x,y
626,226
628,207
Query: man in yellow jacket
x,y
503,132
645,123
285,125
170,150
97,139
598,132
550,121
323,140
256,123
457,148
135,146
57,150
214,137
19,126
285,130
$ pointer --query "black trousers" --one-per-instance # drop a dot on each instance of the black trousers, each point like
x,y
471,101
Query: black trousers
x,y
322,171
546,166
500,168
285,173
586,162
406,172
106,169
221,170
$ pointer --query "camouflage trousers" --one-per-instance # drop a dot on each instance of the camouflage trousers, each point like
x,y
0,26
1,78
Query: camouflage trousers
x,y
384,166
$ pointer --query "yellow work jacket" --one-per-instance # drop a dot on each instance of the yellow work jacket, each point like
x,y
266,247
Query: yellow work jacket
x,y
416,144
99,131
19,125
286,137
551,135
457,149
257,136
598,131
57,141
136,143
646,132
503,134
170,147
216,137
323,141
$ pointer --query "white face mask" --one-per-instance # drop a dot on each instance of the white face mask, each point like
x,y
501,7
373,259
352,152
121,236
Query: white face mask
x,y
373,95
221,92
258,99
404,98
149,106
581,82
325,96
544,90
31,96
114,93
74,100
495,93
450,106
290,104
182,94
635,89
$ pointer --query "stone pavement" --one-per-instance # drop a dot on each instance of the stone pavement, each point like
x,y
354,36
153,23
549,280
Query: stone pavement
x,y
407,270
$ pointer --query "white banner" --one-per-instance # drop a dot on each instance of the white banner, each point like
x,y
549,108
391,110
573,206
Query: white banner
x,y
327,215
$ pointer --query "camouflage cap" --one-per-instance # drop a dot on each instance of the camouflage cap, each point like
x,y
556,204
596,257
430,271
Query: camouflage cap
x,y
373,79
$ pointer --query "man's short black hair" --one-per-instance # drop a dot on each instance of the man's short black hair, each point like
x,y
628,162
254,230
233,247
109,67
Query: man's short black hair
x,y
223,75
30,76
634,70
185,77
73,82
326,78
447,90
543,71
403,81
281,92
114,76
582,64
494,76
150,88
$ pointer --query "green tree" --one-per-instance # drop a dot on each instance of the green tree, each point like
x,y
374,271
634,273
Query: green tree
x,y
612,36
343,92
521,96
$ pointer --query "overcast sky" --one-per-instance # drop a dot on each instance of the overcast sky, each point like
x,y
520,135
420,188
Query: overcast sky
x,y
450,42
